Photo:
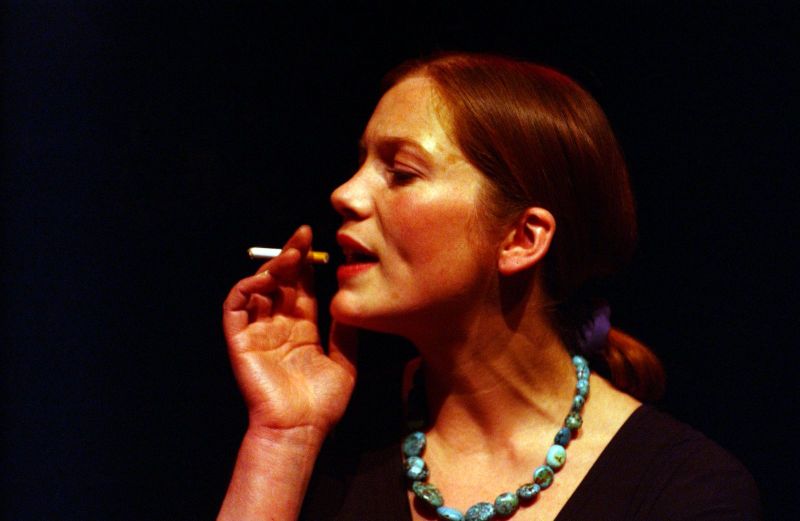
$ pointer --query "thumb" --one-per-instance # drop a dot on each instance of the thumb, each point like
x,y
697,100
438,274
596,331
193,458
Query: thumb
x,y
343,346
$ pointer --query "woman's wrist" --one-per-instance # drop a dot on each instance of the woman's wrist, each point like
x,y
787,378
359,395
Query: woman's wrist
x,y
304,437
271,474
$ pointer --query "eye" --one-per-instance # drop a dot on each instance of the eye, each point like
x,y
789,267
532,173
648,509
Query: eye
x,y
401,177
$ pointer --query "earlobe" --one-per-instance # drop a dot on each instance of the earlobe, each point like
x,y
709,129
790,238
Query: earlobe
x,y
527,242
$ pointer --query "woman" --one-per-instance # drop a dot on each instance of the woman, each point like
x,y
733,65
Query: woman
x,y
490,203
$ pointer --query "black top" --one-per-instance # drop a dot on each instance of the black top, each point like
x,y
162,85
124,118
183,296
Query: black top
x,y
655,468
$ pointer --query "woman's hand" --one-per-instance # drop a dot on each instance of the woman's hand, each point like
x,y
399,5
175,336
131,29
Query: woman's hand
x,y
270,323
294,392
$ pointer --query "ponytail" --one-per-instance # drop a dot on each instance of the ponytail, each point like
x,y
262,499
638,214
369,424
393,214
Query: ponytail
x,y
627,363
632,367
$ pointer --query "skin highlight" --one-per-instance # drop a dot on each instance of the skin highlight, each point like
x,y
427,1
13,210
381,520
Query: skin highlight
x,y
413,193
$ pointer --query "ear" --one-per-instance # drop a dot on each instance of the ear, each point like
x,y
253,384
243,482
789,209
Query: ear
x,y
527,242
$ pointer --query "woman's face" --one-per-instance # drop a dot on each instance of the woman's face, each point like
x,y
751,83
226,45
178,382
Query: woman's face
x,y
417,251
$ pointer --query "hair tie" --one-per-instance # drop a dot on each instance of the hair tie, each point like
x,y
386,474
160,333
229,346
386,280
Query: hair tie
x,y
594,333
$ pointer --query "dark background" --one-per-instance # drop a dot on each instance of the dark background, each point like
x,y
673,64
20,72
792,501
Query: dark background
x,y
148,144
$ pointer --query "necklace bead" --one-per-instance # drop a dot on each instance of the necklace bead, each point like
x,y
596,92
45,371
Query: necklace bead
x,y
480,512
449,514
414,444
556,457
507,503
416,470
582,387
543,476
563,436
573,421
528,491
428,493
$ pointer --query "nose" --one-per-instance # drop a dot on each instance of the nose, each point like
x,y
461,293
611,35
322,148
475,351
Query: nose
x,y
351,199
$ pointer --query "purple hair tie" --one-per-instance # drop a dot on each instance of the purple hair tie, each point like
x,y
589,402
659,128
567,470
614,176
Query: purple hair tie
x,y
594,333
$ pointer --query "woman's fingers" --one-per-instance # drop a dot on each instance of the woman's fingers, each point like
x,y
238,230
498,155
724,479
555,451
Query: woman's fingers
x,y
256,297
300,240
259,307
264,282
302,271
240,307
235,310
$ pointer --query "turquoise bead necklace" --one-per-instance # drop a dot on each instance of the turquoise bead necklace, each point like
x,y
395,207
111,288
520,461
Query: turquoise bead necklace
x,y
507,503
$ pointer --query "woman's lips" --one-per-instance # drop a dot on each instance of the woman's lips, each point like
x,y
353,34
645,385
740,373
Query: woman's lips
x,y
358,258
346,271
355,262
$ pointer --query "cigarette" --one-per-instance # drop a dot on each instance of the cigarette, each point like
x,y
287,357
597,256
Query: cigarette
x,y
314,257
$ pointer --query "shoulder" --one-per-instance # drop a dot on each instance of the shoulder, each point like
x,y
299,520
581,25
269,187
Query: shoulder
x,y
657,467
663,440
694,475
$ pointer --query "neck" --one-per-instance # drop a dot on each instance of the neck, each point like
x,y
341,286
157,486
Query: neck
x,y
492,382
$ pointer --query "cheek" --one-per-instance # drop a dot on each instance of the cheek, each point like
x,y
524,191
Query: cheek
x,y
436,229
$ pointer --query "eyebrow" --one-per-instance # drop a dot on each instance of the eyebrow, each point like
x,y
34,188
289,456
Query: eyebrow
x,y
390,145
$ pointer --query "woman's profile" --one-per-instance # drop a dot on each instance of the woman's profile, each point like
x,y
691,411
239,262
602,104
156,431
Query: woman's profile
x,y
490,205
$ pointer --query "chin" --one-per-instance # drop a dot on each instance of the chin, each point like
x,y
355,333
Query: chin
x,y
346,311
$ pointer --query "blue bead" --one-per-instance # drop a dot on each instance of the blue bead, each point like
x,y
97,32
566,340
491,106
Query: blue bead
x,y
416,469
528,491
577,403
506,503
582,387
556,456
543,476
414,444
428,493
480,512
582,372
449,514
573,421
563,436
579,361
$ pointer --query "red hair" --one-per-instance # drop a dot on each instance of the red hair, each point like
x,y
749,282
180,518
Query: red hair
x,y
542,140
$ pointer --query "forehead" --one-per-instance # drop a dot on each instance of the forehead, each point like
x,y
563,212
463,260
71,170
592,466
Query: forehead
x,y
412,111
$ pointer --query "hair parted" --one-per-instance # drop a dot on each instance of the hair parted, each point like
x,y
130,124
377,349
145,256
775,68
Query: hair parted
x,y
542,140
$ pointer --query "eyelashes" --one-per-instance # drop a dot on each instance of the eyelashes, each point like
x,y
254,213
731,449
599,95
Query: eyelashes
x,y
401,177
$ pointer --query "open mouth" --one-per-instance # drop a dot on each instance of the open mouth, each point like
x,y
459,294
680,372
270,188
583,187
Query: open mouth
x,y
356,260
354,251
358,257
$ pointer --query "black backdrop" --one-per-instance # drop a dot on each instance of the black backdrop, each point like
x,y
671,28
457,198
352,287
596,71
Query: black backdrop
x,y
147,144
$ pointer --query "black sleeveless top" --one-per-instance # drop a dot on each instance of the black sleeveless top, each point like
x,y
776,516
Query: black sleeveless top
x,y
655,468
